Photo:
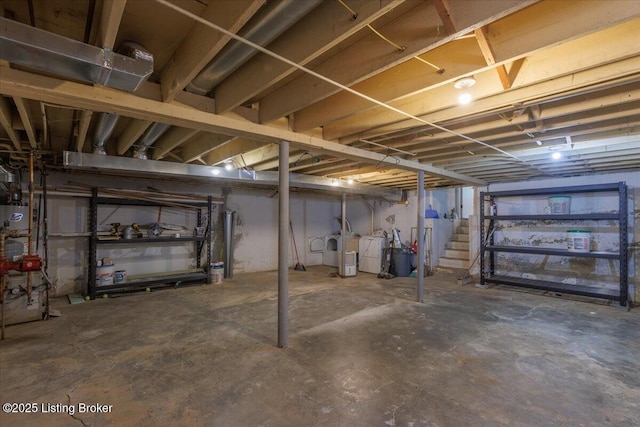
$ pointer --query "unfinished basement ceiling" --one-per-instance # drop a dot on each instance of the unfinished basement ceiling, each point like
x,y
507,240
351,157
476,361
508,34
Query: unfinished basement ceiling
x,y
367,92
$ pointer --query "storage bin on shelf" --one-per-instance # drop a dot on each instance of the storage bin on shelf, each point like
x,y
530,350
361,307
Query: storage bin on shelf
x,y
559,205
104,274
579,240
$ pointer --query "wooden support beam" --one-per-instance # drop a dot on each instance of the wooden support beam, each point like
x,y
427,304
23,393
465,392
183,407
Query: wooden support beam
x,y
83,128
131,134
171,139
489,56
371,54
201,145
98,98
202,43
321,29
274,163
548,72
442,6
232,148
27,120
6,120
112,11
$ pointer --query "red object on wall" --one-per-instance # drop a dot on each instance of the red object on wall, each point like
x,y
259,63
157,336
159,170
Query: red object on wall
x,y
27,263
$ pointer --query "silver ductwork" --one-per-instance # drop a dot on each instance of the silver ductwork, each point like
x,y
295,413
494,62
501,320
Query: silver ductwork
x,y
104,129
35,48
6,175
147,139
153,168
262,29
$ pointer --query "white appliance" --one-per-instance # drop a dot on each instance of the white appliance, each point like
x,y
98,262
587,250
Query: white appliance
x,y
350,264
370,251
332,246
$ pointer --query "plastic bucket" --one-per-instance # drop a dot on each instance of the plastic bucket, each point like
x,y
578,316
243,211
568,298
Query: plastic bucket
x,y
104,274
559,204
120,276
217,272
579,240
217,276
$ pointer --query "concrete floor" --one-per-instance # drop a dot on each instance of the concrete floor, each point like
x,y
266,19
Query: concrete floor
x,y
361,353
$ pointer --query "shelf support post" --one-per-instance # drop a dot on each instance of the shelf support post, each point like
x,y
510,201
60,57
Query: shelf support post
x,y
93,226
624,257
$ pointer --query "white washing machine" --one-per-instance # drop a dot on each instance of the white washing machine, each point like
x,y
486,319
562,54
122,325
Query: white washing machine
x,y
370,251
332,246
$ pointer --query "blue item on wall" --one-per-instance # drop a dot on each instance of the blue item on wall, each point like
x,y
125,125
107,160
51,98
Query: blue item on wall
x,y
431,213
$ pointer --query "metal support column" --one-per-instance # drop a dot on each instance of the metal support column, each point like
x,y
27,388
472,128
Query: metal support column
x,y
283,245
420,237
31,229
343,236
483,241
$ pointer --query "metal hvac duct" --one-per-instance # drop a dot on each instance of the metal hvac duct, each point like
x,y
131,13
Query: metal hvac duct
x,y
268,24
35,48
127,166
104,129
6,175
147,139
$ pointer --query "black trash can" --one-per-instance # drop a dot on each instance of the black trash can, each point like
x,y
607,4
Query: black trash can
x,y
401,262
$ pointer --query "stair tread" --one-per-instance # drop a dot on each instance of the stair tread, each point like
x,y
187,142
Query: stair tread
x,y
455,260
456,255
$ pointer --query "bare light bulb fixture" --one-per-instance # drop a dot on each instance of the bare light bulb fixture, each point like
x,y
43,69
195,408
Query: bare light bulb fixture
x,y
228,165
464,98
556,155
464,84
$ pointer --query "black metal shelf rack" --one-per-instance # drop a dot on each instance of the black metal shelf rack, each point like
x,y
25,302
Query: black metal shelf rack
x,y
200,274
487,246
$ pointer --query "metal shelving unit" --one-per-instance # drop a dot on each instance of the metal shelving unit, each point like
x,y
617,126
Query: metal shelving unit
x,y
488,246
199,274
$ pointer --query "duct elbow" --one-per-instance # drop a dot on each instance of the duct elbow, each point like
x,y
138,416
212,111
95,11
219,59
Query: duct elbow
x,y
140,152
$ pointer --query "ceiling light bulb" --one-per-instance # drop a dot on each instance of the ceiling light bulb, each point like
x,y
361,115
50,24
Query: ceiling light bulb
x,y
464,99
556,155
465,82
350,181
228,166
539,142
215,171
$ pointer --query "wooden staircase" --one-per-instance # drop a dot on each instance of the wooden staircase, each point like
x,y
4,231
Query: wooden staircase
x,y
456,257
